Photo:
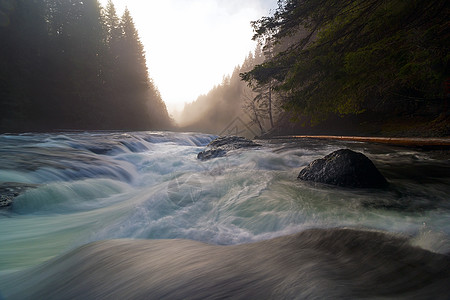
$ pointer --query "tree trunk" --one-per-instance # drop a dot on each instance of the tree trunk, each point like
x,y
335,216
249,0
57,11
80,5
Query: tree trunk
x,y
270,104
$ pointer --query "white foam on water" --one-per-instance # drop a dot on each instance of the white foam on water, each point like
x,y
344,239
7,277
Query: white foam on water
x,y
150,185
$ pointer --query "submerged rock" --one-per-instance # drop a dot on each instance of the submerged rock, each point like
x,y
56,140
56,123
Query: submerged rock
x,y
5,201
220,146
344,168
10,190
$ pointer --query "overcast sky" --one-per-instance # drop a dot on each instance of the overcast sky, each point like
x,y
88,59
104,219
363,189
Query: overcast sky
x,y
191,44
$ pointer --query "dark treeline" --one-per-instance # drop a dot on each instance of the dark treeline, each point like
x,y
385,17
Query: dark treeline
x,y
73,65
379,60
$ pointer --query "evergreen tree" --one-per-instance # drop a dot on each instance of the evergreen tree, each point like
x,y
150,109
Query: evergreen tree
x,y
132,60
70,64
112,22
350,56
76,34
113,34
131,83
23,36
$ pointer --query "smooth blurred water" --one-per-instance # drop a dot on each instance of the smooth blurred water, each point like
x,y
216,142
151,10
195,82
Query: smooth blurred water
x,y
95,186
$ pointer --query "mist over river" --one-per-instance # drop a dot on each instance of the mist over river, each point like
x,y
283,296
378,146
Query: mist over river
x,y
79,188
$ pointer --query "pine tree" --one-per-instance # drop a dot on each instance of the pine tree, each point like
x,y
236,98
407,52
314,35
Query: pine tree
x,y
132,57
77,48
346,57
112,23
23,36
70,64
113,34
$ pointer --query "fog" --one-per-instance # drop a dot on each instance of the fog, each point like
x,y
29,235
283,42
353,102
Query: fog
x,y
193,43
225,108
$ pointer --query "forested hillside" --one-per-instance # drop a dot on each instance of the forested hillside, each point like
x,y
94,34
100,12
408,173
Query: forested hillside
x,y
73,65
385,60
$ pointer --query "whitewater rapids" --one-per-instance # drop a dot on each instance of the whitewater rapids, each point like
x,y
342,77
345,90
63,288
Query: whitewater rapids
x,y
135,215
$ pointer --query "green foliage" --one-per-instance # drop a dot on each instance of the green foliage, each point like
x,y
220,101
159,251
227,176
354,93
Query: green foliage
x,y
355,55
71,64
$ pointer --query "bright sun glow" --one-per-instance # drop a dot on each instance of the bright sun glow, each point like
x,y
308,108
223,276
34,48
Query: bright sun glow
x,y
191,44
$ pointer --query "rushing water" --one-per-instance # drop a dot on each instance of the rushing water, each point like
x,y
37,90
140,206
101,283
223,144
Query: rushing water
x,y
87,187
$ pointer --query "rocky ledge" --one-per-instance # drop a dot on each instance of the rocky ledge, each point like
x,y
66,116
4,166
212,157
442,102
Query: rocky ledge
x,y
222,145
11,190
344,168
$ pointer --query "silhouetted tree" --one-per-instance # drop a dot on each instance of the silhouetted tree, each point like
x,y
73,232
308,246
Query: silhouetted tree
x,y
253,110
132,61
71,64
23,38
113,34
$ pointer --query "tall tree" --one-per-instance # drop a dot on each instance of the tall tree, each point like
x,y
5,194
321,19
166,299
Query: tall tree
x,y
113,34
70,64
259,103
23,35
112,24
76,32
140,98
355,55
132,57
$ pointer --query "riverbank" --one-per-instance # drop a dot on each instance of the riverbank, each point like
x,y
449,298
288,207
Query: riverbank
x,y
368,124
402,141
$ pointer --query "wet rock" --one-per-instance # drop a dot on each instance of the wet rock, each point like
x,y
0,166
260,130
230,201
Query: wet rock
x,y
5,201
344,168
10,190
222,145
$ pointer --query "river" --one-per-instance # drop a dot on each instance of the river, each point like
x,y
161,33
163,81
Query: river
x,y
83,187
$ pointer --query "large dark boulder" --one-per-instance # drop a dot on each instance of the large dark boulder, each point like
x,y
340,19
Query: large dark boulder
x,y
344,168
220,146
